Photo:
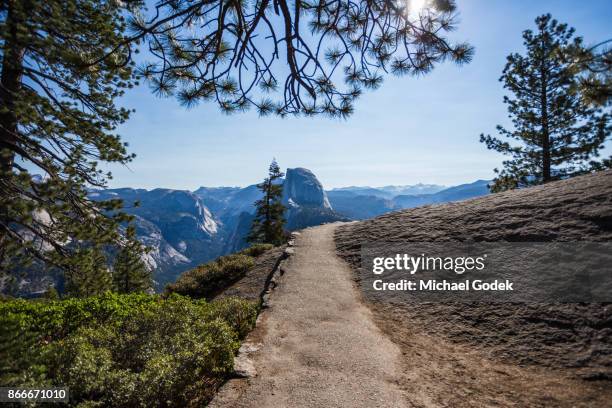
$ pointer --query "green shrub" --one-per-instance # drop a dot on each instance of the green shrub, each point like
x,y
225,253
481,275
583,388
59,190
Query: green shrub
x,y
256,249
239,313
58,318
207,280
126,350
20,353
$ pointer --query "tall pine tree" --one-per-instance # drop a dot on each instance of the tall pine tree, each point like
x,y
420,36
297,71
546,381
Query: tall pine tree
x,y
556,129
63,63
130,274
269,222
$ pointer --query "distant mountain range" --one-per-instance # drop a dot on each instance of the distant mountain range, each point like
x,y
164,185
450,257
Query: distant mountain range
x,y
360,203
185,229
391,191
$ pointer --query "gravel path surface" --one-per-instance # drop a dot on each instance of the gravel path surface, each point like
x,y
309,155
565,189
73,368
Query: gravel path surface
x,y
317,345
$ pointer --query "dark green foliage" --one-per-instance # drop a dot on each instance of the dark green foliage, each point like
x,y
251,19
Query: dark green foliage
x,y
130,274
268,225
290,58
20,353
51,293
240,314
62,67
558,132
207,280
26,326
595,63
90,276
56,319
126,350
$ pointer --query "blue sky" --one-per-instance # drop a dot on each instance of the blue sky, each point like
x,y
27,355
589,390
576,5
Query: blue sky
x,y
410,130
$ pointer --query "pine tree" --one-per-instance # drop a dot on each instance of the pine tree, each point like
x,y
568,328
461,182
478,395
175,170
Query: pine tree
x,y
130,274
269,222
63,64
51,293
90,275
557,130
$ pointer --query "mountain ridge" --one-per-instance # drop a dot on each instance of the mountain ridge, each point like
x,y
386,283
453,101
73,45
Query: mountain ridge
x,y
359,204
185,228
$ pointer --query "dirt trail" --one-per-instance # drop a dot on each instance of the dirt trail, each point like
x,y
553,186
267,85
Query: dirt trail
x,y
318,345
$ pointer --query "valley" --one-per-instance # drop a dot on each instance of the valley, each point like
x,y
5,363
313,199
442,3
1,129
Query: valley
x,y
184,229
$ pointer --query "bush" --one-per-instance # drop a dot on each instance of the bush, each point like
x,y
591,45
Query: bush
x,y
256,249
207,280
56,319
127,350
237,312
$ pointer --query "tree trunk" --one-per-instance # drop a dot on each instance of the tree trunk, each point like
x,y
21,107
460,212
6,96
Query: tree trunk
x,y
545,144
10,83
268,221
545,130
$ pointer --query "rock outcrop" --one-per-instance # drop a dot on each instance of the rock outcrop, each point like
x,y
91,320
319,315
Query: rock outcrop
x,y
302,188
306,200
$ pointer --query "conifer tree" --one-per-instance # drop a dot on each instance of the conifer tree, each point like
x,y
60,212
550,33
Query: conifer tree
x,y
51,293
269,222
557,130
63,64
90,276
130,274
